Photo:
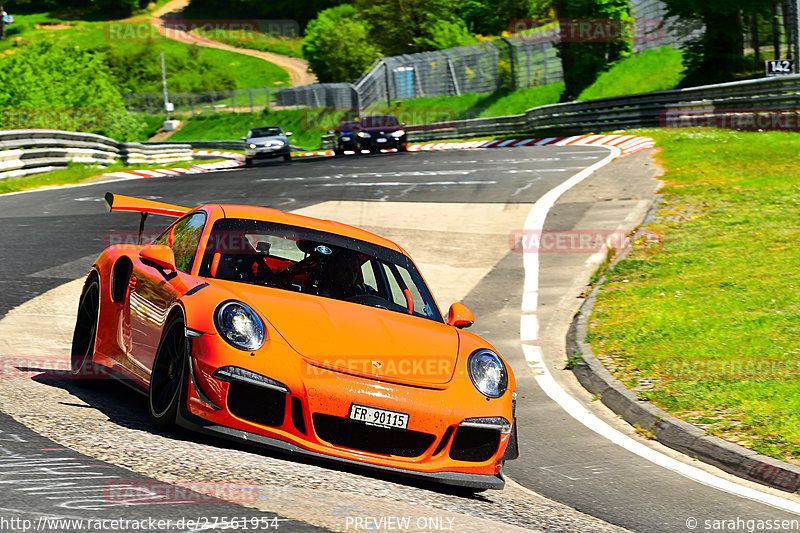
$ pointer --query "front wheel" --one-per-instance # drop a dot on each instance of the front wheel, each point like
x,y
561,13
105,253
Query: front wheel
x,y
248,162
287,157
83,338
167,389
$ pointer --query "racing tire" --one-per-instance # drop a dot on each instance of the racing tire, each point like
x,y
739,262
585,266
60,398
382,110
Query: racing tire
x,y
168,379
82,369
248,162
402,148
287,157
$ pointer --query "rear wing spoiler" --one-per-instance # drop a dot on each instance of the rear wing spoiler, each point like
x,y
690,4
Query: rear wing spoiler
x,y
117,202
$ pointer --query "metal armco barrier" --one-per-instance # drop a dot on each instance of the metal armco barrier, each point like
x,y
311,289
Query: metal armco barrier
x,y
25,152
768,103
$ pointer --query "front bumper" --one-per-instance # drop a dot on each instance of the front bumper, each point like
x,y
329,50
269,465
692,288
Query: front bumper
x,y
382,142
307,413
266,153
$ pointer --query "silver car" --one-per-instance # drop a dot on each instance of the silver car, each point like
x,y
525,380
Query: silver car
x,y
266,142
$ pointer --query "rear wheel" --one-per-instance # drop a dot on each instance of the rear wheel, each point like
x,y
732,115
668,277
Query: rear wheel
x,y
167,389
83,338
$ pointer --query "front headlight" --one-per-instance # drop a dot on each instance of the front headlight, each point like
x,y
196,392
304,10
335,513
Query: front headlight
x,y
251,145
364,135
488,373
398,133
240,326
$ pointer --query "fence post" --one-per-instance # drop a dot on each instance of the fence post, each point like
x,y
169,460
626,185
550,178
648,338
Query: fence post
x,y
266,92
355,99
233,105
452,70
388,85
546,61
513,68
191,103
250,92
796,34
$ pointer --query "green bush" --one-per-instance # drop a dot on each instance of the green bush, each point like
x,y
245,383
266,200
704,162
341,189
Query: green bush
x,y
46,85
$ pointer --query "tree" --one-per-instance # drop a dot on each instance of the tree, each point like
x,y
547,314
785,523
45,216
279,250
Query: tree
x,y
337,45
406,26
716,55
585,55
492,17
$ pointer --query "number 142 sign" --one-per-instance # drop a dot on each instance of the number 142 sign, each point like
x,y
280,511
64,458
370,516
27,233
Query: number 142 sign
x,y
779,67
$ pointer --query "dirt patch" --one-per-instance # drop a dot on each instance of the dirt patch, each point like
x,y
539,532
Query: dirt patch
x,y
54,26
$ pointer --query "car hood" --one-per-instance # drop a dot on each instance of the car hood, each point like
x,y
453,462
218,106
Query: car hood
x,y
382,129
358,339
261,140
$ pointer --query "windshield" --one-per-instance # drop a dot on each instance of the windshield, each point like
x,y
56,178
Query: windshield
x,y
348,126
377,121
270,131
324,264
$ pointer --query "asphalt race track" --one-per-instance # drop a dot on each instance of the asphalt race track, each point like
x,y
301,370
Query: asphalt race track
x,y
453,211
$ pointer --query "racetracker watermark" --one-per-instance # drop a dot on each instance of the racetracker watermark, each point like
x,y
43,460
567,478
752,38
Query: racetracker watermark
x,y
427,118
566,241
737,119
733,370
202,492
587,30
67,119
410,368
57,367
232,29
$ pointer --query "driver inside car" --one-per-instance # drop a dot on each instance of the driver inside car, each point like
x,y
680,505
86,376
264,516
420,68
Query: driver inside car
x,y
342,270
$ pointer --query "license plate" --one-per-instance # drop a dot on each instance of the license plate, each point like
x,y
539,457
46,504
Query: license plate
x,y
373,416
381,140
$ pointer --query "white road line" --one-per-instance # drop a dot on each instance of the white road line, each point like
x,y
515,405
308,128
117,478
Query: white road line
x,y
398,183
545,380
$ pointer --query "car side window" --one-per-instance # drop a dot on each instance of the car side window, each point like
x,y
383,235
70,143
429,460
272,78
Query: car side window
x,y
183,237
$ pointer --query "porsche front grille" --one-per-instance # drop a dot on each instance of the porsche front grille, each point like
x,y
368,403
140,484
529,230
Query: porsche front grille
x,y
358,436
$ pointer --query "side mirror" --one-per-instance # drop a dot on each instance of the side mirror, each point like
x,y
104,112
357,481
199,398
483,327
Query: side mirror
x,y
159,255
242,138
460,316
288,133
403,124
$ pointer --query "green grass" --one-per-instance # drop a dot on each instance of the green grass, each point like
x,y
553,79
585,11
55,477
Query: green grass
x,y
248,72
77,173
471,105
305,125
652,70
705,306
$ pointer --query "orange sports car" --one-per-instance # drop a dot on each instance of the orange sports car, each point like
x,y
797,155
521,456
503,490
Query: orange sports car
x,y
304,335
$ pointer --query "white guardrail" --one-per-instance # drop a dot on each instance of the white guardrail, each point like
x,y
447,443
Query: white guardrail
x,y
25,152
